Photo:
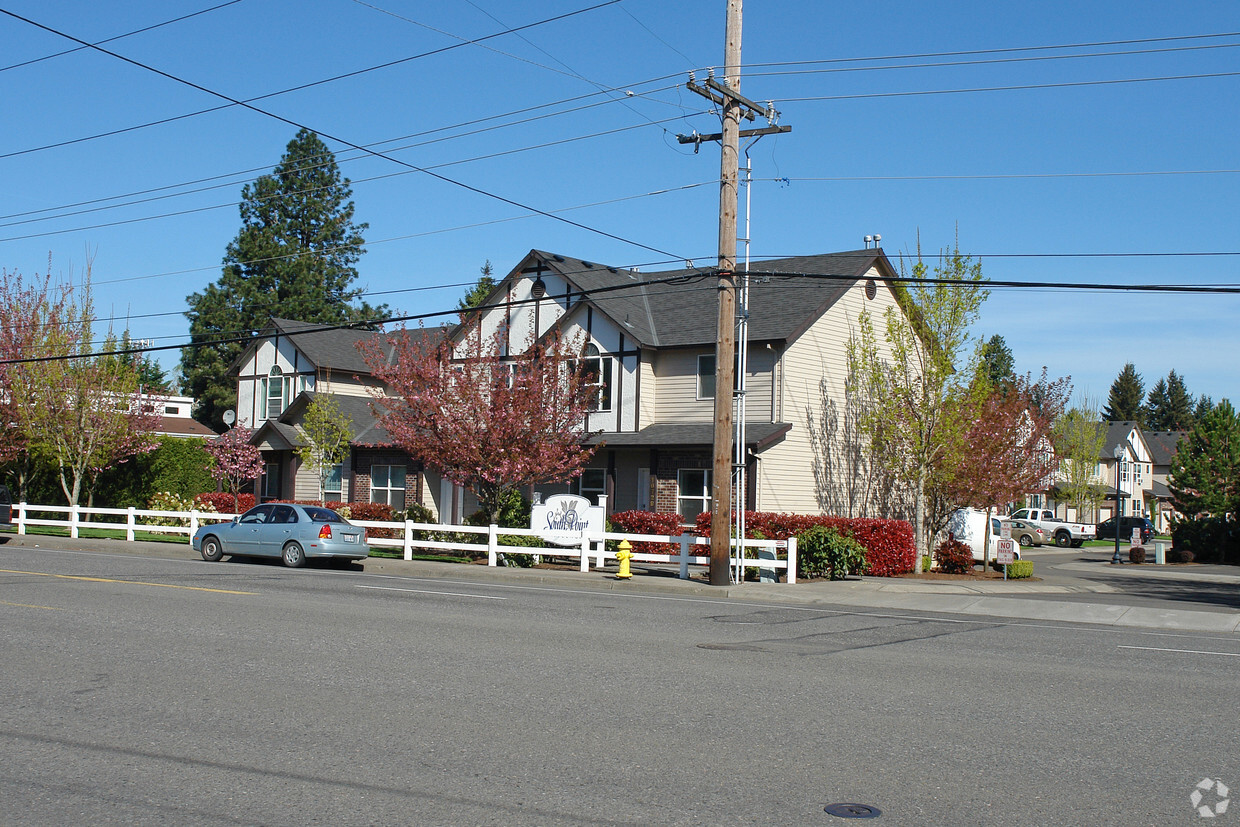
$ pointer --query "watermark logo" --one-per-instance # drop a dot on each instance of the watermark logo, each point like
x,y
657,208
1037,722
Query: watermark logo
x,y
1210,798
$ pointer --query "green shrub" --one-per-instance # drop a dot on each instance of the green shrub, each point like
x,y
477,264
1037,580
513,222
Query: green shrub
x,y
1136,554
1179,555
954,557
824,552
167,501
1210,539
925,562
1017,570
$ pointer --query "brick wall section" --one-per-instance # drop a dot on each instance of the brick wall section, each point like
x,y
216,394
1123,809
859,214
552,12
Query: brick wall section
x,y
664,482
360,484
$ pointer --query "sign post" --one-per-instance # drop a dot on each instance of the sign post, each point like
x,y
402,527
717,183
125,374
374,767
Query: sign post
x,y
1005,552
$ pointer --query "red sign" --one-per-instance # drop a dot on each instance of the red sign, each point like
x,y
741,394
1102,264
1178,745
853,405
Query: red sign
x,y
1005,551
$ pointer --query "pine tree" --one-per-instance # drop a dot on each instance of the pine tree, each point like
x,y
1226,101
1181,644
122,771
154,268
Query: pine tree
x,y
1127,394
1205,476
293,258
997,363
1205,404
1169,407
480,291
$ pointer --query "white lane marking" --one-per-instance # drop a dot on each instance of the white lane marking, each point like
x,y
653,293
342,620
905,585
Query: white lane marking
x,y
1183,651
427,591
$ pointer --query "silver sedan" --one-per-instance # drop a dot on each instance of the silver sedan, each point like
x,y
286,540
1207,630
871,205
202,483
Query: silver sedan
x,y
290,532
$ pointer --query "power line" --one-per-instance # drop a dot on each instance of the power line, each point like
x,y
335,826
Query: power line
x,y
246,103
1020,87
119,36
696,280
289,121
999,176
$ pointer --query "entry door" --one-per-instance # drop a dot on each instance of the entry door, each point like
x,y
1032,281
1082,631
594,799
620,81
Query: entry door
x,y
643,489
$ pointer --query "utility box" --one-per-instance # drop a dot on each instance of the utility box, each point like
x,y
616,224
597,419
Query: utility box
x,y
1160,552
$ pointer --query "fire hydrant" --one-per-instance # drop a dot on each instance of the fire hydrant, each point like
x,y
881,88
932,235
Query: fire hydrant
x,y
624,555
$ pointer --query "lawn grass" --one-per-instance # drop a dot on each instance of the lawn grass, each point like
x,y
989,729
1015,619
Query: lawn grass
x,y
103,534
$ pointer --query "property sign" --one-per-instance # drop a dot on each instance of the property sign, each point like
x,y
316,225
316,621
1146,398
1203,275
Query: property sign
x,y
1136,535
1005,529
1005,550
563,518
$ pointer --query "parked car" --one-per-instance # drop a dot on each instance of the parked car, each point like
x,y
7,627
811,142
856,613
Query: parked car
x,y
968,525
1059,532
1029,534
290,532
1106,529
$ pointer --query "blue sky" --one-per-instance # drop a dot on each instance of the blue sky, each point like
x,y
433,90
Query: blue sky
x,y
1025,175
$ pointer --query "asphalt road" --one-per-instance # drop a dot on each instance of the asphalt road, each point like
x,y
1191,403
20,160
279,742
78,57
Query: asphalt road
x,y
142,690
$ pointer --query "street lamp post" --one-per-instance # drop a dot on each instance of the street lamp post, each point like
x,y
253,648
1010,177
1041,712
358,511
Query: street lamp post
x,y
1119,471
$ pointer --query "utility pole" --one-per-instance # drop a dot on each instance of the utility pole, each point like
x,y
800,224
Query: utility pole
x,y
727,95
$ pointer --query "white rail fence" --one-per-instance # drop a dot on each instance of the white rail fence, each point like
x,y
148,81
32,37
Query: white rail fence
x,y
590,549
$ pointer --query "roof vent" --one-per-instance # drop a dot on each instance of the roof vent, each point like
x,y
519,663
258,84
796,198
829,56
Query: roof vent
x,y
559,258
539,289
587,264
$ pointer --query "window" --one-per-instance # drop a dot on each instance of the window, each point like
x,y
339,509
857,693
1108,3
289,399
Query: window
x,y
597,370
333,485
591,483
387,485
692,492
706,376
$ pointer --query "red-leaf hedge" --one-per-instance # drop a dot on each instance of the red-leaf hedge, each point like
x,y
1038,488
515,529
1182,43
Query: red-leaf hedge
x,y
889,549
379,512
648,522
224,503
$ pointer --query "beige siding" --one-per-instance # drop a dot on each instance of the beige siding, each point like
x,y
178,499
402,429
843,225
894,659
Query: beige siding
x,y
648,392
813,371
677,379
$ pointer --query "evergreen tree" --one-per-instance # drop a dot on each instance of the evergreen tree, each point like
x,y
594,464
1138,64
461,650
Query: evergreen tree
x,y
998,366
293,258
1127,394
1169,406
1204,405
1205,476
480,291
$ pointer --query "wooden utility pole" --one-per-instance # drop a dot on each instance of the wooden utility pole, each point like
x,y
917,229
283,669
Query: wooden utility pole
x,y
725,347
727,96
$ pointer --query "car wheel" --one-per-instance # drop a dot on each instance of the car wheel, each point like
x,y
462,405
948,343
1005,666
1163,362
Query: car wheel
x,y
212,551
1026,539
293,556
1063,539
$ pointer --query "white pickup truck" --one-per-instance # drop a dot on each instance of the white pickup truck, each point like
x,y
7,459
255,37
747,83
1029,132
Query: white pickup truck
x,y
1061,533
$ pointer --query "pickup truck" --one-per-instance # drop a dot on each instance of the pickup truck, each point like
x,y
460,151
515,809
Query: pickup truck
x,y
1061,533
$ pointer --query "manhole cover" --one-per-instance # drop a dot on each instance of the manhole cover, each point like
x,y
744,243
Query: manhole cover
x,y
853,811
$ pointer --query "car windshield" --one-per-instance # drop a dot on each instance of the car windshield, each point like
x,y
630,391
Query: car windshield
x,y
323,515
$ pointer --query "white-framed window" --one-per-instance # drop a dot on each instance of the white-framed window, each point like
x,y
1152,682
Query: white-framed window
x,y
387,485
592,483
333,485
706,376
692,492
597,369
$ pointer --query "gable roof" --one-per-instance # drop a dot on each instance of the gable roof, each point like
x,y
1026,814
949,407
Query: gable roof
x,y
325,344
659,315
1117,433
1163,445
364,426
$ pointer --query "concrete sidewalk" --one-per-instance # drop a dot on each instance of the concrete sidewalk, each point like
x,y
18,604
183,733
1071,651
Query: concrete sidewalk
x,y
1073,587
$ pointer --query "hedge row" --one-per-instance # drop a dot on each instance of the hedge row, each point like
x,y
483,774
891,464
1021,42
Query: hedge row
x,y
1207,539
888,544
224,503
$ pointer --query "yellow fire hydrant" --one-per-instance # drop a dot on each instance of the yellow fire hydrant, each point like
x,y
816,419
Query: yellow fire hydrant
x,y
624,555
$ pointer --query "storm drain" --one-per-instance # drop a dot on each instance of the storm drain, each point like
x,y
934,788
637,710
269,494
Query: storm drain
x,y
844,810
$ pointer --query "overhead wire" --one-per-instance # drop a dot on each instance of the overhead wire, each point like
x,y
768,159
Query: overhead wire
x,y
291,122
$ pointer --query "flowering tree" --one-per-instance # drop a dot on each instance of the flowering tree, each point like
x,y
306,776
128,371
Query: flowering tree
x,y
79,408
484,420
236,460
1010,445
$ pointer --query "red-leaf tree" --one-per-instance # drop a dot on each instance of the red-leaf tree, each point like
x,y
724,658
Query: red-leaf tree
x,y
491,422
236,460
1009,451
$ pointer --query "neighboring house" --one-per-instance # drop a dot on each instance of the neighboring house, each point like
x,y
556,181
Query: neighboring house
x,y
1163,447
176,418
653,345
1136,473
278,375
